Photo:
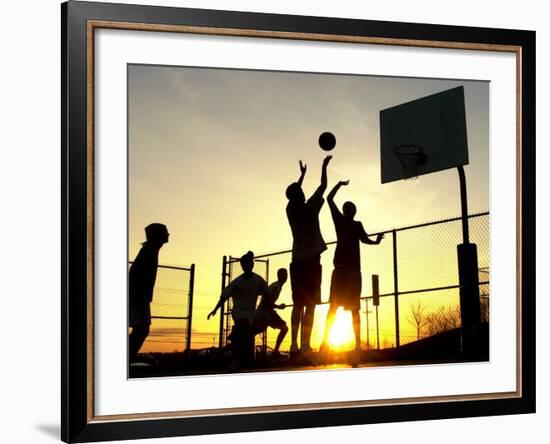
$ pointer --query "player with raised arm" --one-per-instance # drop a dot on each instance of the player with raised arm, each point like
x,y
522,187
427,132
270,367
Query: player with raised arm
x,y
307,246
345,285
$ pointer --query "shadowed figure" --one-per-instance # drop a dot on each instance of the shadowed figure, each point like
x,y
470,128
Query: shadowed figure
x,y
266,316
141,283
345,285
307,246
244,291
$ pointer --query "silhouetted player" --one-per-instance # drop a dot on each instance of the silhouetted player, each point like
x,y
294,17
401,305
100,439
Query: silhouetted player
x,y
244,291
345,285
266,316
307,246
141,283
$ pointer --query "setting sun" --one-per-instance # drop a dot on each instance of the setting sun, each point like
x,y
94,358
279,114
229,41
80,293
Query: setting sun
x,y
341,334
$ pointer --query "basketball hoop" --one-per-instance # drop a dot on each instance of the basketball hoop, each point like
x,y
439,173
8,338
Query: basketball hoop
x,y
410,156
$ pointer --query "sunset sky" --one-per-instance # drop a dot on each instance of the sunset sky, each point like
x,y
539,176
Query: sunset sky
x,y
211,152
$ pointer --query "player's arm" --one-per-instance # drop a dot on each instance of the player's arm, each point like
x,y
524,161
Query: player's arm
x,y
367,240
226,293
303,169
324,180
330,198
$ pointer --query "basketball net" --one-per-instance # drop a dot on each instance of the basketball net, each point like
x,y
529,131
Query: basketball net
x,y
410,156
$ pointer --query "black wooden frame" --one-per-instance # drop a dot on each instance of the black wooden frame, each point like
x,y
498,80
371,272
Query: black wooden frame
x,y
76,425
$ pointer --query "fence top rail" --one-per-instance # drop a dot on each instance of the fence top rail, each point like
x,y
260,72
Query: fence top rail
x,y
409,227
182,318
233,259
172,267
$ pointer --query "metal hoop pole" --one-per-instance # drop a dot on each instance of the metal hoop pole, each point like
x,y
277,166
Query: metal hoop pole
x,y
464,205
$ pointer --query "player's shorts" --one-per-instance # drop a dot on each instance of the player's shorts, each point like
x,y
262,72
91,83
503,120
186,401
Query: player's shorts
x,y
139,314
345,288
272,319
242,331
305,281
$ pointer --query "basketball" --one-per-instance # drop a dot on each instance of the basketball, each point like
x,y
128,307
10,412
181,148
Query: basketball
x,y
327,141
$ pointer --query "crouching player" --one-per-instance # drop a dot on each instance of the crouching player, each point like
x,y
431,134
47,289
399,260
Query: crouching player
x,y
266,316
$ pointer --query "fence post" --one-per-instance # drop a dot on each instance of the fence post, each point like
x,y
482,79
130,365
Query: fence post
x,y
264,339
395,288
222,308
377,331
367,315
190,309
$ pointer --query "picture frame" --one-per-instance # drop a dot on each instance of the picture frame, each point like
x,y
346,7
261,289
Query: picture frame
x,y
80,20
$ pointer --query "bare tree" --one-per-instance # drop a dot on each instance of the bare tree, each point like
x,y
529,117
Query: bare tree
x,y
417,317
444,319
484,304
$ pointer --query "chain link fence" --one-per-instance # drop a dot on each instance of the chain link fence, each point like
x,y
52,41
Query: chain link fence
x,y
426,285
417,267
171,310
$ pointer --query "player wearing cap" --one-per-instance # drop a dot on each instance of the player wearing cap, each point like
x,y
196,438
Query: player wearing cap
x,y
141,283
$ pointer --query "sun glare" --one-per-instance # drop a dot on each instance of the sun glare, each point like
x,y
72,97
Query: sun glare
x,y
341,334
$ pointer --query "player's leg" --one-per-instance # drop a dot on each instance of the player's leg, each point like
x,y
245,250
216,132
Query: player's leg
x,y
249,344
277,323
295,321
312,284
136,339
356,327
296,282
282,333
242,342
307,325
140,318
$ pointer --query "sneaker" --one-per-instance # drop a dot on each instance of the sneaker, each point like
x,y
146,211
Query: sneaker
x,y
306,354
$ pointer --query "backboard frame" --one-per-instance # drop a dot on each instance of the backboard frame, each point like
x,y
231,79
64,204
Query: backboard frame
x,y
436,123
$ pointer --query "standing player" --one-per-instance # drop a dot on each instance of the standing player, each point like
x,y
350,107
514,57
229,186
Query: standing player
x,y
307,246
266,316
244,291
345,285
141,283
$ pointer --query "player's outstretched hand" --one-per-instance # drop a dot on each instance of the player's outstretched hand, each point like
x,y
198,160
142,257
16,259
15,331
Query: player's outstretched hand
x,y
303,167
326,160
344,182
212,313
